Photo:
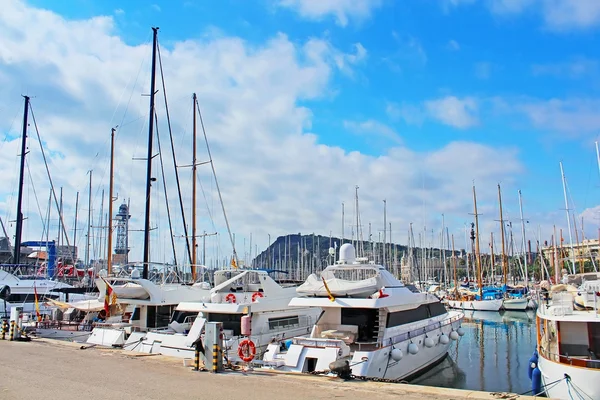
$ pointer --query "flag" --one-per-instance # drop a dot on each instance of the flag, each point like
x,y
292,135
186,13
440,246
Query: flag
x,y
331,298
110,298
37,304
233,263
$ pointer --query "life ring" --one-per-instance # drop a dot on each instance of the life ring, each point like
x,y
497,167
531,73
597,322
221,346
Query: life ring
x,y
257,295
246,350
230,298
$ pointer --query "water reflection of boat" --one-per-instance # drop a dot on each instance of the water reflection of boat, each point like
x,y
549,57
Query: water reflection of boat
x,y
445,374
475,316
518,316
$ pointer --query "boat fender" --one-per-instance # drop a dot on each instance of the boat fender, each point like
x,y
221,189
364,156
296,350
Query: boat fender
x,y
454,335
256,296
397,354
533,361
444,339
413,348
536,381
460,331
428,342
341,368
246,350
230,298
246,325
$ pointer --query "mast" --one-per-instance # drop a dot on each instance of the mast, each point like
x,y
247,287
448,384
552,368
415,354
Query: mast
x,y
504,260
194,252
19,227
75,227
89,224
149,159
562,172
384,228
493,268
357,221
110,201
477,255
524,240
343,222
454,266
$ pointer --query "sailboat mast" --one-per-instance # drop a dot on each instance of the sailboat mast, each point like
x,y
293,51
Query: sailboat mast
x,y
384,228
19,227
454,266
149,159
110,201
89,224
524,240
562,172
504,260
492,266
477,255
194,253
75,227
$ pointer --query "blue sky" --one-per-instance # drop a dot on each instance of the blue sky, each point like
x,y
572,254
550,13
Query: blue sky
x,y
520,78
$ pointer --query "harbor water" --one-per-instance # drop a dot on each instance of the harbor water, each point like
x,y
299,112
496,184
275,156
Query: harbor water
x,y
492,356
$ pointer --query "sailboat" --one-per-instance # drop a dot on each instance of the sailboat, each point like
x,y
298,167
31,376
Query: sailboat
x,y
480,301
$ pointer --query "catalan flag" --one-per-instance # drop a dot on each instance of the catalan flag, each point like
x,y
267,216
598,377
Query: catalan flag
x,y
37,304
331,298
110,298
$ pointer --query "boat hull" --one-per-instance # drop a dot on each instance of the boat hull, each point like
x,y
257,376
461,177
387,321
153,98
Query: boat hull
x,y
63,334
477,305
582,380
515,304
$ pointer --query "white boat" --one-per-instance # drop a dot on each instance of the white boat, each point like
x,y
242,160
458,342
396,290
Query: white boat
x,y
150,306
476,305
251,293
390,333
515,304
567,361
22,292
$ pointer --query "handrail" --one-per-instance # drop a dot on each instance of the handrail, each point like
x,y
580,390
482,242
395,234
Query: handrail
x,y
566,359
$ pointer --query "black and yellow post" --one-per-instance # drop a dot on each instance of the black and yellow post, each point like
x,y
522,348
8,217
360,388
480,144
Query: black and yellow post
x,y
215,363
11,335
4,329
197,358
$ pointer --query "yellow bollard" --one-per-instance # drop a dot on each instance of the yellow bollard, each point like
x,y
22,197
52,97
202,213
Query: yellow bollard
x,y
4,329
11,335
215,365
197,359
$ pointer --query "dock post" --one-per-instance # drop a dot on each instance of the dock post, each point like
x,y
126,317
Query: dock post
x,y
16,318
4,329
197,357
214,342
11,335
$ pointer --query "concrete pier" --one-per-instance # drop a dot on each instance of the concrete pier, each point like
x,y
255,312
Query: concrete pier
x,y
53,369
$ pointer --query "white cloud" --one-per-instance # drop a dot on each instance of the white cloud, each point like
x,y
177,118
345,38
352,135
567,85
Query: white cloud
x,y
119,11
453,45
461,113
342,10
276,175
372,127
558,15
574,116
156,7
483,70
576,68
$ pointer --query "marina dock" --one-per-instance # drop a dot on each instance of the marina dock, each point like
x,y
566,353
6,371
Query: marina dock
x,y
45,368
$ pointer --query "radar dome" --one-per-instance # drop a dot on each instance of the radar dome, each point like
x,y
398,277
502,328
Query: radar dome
x,y
347,254
135,274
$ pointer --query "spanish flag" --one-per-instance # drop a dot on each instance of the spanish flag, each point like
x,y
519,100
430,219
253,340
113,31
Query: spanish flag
x,y
331,298
110,298
37,304
233,262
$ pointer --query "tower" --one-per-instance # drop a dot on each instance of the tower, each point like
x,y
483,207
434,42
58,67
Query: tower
x,y
122,245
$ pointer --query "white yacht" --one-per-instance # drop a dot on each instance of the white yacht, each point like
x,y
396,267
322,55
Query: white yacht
x,y
237,295
383,331
23,288
142,305
567,361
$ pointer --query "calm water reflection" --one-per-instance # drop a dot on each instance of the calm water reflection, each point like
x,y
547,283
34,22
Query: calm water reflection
x,y
492,355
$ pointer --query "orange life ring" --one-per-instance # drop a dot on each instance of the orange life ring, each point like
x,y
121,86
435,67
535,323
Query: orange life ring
x,y
230,298
256,295
246,350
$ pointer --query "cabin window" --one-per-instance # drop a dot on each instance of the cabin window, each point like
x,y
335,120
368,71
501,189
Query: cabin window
x,y
29,298
180,316
422,312
231,322
283,322
366,321
136,314
594,331
158,317
574,339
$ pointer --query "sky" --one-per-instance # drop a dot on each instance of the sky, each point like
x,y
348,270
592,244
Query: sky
x,y
414,102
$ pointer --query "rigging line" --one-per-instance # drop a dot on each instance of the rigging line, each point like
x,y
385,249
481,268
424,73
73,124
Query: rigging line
x,y
36,197
60,216
185,230
162,168
212,165
9,129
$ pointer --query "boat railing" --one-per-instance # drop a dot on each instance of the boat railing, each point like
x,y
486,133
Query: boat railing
x,y
576,361
318,342
419,331
64,325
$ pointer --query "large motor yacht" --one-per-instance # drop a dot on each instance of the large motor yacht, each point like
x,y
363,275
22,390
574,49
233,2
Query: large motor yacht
x,y
371,324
